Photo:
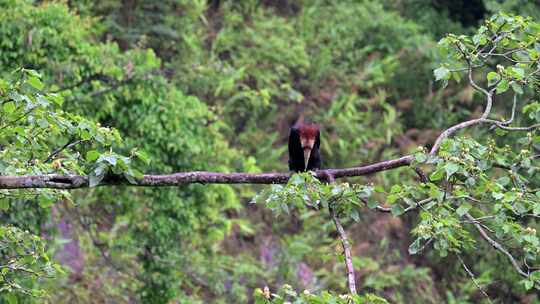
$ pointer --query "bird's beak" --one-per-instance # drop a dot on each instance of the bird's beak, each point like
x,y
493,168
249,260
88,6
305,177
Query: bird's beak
x,y
307,153
307,146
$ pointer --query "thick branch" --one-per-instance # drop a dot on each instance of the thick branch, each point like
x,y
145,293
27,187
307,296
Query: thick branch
x,y
57,181
451,131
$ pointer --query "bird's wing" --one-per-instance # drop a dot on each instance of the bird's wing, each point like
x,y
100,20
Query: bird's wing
x,y
296,157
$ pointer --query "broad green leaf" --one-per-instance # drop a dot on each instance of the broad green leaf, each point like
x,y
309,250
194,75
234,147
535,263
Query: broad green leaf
x,y
392,198
395,189
414,247
492,78
450,169
442,73
36,83
535,275
437,175
111,159
503,86
45,201
463,208
92,155
143,156
9,107
517,88
379,189
528,284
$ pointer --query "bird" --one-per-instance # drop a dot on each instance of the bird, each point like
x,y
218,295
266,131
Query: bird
x,y
304,143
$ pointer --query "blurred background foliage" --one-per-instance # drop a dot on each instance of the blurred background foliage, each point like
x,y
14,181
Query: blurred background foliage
x,y
214,85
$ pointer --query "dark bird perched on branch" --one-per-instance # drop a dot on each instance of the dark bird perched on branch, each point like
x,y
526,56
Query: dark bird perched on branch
x,y
304,142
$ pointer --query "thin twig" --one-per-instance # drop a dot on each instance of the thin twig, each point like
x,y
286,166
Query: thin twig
x,y
496,245
473,278
68,145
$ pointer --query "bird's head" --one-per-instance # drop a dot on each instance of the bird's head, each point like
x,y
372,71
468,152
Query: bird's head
x,y
308,135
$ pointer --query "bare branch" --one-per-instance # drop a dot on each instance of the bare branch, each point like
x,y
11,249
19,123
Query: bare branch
x,y
57,181
451,131
473,278
421,174
347,251
509,121
483,119
529,128
496,245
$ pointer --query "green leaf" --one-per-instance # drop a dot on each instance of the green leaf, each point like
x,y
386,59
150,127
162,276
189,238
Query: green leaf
x,y
503,180
43,123
296,180
464,208
337,189
9,107
380,189
85,135
414,247
503,86
4,204
420,157
492,78
32,73
355,215
535,275
519,73
92,155
451,168
57,99
143,156
528,284
497,195
442,73
111,159
45,201
11,298
437,175
536,209
392,198
509,197
517,88
395,189
36,83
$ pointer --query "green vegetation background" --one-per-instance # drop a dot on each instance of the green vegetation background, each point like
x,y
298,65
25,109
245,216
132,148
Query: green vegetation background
x,y
214,85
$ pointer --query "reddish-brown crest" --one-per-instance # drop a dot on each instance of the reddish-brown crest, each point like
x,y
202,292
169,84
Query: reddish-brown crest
x,y
308,130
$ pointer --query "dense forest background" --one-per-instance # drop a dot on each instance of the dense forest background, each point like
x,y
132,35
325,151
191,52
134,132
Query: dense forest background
x,y
214,85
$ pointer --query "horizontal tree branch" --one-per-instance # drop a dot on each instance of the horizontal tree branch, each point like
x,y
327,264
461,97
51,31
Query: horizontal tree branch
x,y
57,181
